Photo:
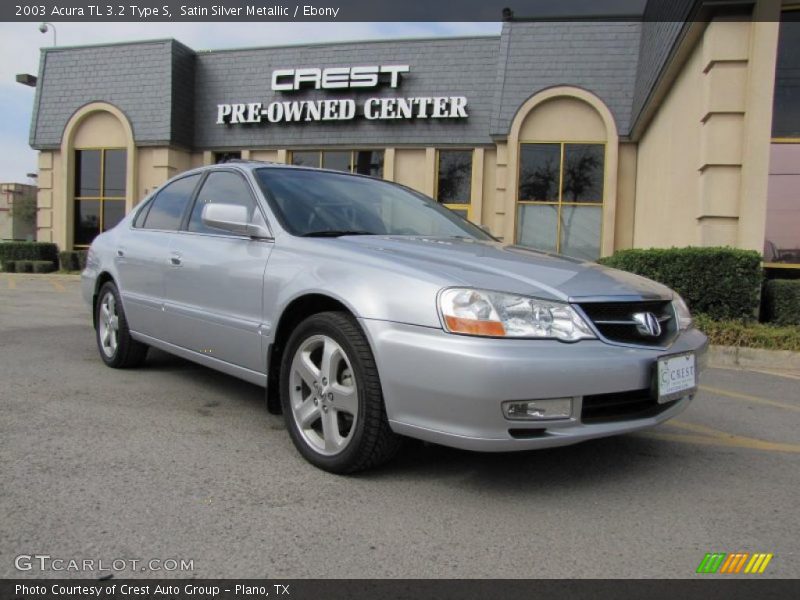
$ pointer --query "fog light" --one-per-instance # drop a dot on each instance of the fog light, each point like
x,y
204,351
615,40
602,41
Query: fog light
x,y
538,410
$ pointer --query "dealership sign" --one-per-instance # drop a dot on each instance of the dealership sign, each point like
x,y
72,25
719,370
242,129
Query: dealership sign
x,y
342,109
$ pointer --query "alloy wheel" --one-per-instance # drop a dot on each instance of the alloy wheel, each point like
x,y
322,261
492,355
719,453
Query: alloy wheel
x,y
323,395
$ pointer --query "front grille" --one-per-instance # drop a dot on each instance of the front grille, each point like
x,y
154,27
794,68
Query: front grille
x,y
621,406
615,322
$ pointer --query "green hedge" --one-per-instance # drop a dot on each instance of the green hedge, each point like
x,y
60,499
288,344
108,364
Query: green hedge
x,y
24,266
749,335
28,251
68,260
782,301
43,266
9,266
724,283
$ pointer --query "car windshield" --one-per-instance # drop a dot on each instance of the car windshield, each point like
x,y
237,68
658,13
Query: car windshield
x,y
325,204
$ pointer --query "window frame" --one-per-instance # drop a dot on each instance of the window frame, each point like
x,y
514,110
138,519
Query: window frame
x,y
152,200
456,206
783,139
184,225
352,162
560,202
101,198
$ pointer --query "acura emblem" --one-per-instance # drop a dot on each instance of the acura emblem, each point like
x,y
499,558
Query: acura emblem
x,y
647,324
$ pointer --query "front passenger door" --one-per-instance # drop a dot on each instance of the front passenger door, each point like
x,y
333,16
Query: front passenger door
x,y
215,286
141,256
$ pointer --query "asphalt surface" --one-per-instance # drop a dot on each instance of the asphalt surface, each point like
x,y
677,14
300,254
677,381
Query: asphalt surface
x,y
175,461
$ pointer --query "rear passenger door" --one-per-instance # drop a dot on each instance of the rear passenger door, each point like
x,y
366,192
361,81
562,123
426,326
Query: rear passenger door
x,y
142,256
214,288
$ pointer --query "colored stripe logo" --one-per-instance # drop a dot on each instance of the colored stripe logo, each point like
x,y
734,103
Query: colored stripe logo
x,y
734,562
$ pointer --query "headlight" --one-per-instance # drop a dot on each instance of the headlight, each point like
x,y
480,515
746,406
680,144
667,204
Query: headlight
x,y
493,314
681,312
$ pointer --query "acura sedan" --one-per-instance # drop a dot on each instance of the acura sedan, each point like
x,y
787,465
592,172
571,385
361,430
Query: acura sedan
x,y
371,313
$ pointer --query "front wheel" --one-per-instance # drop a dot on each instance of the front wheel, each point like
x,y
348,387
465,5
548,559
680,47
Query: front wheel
x,y
331,396
117,348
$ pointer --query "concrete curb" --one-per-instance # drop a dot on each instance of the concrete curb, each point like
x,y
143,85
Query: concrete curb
x,y
753,358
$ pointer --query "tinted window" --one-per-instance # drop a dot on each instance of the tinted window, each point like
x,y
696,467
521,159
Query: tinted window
x,y
87,173
455,176
369,162
222,187
583,173
786,102
114,173
168,207
539,172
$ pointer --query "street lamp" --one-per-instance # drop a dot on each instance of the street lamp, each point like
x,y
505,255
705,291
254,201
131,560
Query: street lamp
x,y
45,26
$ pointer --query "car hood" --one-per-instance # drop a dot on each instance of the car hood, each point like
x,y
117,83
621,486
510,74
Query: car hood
x,y
496,266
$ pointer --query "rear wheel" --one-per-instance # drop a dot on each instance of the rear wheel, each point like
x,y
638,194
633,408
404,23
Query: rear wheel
x,y
331,396
117,348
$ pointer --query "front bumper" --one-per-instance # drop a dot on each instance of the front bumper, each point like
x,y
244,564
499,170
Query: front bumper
x,y
448,389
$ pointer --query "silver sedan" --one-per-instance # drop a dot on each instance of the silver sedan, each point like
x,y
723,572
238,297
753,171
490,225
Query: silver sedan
x,y
370,313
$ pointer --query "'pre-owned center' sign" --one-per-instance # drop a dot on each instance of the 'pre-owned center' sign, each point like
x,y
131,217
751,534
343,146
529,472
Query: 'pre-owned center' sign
x,y
342,109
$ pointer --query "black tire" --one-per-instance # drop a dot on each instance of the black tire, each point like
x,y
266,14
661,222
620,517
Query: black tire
x,y
128,352
372,442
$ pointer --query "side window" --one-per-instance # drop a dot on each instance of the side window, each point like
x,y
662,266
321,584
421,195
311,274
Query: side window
x,y
138,222
221,187
168,206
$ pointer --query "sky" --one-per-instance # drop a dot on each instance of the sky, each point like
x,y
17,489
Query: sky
x,y
20,44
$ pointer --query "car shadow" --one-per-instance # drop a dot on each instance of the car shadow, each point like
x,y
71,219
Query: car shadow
x,y
618,458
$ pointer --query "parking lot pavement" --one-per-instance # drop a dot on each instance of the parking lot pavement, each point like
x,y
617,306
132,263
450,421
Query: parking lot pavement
x,y
176,461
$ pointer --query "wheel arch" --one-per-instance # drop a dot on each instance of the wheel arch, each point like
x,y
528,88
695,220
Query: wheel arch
x,y
103,278
296,311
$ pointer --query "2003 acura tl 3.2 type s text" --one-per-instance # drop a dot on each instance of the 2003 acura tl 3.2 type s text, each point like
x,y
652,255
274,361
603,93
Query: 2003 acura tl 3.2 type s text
x,y
369,312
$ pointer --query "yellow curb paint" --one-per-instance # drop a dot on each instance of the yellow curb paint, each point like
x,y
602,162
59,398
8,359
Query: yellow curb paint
x,y
756,399
724,440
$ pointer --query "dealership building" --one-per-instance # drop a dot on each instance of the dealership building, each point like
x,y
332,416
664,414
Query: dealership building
x,y
572,135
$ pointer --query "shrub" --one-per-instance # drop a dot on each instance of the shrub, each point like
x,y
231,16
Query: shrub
x,y
68,260
724,283
43,266
24,266
749,335
9,266
28,251
782,301
82,254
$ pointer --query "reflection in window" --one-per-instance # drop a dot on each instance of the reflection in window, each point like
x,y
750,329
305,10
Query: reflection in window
x,y
221,187
166,210
363,162
100,187
560,198
223,157
782,232
539,172
786,101
454,177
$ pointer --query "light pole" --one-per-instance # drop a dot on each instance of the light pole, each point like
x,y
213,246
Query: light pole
x,y
45,26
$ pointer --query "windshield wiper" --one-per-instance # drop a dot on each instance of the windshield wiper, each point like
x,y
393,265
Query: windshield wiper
x,y
336,233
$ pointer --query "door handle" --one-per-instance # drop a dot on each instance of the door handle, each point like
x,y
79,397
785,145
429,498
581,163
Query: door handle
x,y
120,252
176,261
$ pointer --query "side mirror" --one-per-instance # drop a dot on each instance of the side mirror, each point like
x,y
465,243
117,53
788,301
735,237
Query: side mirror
x,y
233,219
